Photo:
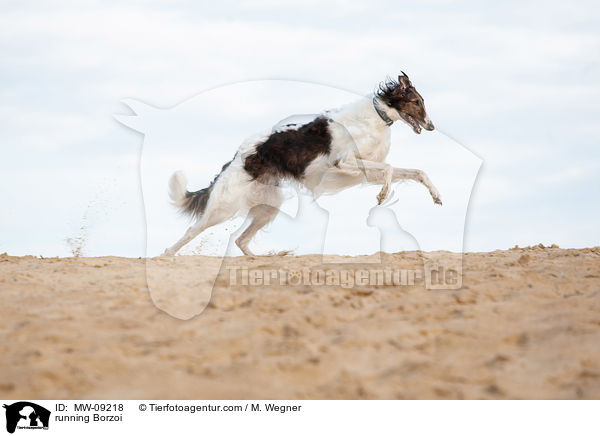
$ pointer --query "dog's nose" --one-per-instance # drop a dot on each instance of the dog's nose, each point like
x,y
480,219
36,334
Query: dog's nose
x,y
429,126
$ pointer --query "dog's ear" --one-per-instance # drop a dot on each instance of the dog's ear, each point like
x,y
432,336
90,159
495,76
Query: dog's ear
x,y
404,81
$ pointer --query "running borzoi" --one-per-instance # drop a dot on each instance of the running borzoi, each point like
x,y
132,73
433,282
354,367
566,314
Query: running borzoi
x,y
339,148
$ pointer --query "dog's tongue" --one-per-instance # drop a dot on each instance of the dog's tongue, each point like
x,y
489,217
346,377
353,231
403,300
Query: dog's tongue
x,y
414,124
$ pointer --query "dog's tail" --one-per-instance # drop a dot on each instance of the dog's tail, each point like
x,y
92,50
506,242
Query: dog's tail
x,y
189,203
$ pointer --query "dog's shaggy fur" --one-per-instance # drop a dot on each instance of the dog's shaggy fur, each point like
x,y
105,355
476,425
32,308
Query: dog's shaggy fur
x,y
340,148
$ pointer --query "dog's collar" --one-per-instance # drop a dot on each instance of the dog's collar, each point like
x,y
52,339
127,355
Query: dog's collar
x,y
386,119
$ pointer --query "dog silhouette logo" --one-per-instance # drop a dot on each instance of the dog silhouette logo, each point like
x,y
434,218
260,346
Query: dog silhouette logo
x,y
26,415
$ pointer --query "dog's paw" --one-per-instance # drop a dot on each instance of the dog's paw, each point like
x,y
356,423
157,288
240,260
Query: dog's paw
x,y
383,194
437,200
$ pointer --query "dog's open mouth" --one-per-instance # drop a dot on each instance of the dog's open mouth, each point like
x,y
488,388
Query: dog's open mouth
x,y
412,122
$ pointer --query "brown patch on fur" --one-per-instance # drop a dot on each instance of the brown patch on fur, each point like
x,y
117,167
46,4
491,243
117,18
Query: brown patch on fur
x,y
288,153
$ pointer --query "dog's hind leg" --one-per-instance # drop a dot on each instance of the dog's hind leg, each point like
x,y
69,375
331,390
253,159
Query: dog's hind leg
x,y
261,215
212,216
190,234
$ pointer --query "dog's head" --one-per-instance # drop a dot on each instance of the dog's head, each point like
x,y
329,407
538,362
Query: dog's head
x,y
402,96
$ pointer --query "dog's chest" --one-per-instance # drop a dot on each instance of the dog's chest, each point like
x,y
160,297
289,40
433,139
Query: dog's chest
x,y
372,145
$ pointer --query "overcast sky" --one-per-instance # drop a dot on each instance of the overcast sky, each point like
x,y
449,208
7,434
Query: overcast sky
x,y
516,82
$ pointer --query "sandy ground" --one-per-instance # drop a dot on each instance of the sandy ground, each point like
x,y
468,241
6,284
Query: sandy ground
x,y
526,324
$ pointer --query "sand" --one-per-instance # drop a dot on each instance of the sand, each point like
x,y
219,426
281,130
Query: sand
x,y
526,324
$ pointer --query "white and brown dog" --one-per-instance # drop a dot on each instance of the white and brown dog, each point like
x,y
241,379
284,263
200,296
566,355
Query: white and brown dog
x,y
337,149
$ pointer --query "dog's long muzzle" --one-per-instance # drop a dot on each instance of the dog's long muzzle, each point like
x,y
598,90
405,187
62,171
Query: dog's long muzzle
x,y
428,124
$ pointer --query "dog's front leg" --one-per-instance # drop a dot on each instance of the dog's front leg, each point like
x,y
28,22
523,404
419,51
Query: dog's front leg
x,y
418,176
388,173
373,172
380,173
376,172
